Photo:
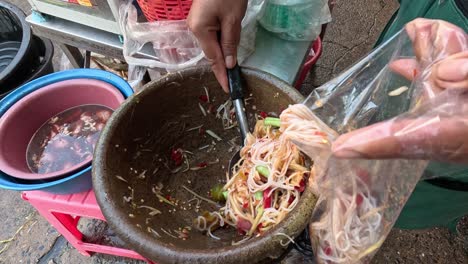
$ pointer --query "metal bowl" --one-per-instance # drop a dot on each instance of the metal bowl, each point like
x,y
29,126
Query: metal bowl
x,y
135,148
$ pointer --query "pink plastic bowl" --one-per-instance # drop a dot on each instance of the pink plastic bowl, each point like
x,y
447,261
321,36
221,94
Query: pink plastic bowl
x,y
22,120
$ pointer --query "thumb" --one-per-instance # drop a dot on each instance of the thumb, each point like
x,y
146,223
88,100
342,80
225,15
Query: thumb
x,y
230,37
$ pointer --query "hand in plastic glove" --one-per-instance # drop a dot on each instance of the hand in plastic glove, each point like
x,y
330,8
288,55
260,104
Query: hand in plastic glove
x,y
436,40
206,18
437,131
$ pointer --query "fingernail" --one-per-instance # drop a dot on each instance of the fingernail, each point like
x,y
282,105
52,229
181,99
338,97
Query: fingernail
x,y
225,87
411,31
230,62
452,70
347,154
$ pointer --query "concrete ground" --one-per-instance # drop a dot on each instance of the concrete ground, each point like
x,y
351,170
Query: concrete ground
x,y
27,238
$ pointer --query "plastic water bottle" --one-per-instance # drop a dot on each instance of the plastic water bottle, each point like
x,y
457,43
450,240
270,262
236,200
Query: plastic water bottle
x,y
295,19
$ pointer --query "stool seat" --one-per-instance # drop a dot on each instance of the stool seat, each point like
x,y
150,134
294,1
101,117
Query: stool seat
x,y
64,211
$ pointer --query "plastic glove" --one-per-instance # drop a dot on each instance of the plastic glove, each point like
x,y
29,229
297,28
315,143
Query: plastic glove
x,y
436,130
439,42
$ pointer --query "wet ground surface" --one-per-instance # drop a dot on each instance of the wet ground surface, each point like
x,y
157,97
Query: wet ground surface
x,y
26,237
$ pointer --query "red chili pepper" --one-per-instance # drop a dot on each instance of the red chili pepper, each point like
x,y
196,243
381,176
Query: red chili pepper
x,y
359,199
291,199
176,156
301,186
327,251
318,133
203,98
259,226
202,165
266,198
168,197
211,109
245,205
263,114
178,162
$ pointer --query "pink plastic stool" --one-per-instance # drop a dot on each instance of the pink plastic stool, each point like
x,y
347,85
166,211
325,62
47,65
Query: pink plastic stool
x,y
64,211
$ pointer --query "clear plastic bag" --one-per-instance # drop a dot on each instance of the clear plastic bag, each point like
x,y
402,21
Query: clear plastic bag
x,y
360,199
249,30
170,45
297,20
136,75
162,44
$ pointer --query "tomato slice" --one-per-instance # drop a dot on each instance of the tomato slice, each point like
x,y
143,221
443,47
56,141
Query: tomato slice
x,y
267,198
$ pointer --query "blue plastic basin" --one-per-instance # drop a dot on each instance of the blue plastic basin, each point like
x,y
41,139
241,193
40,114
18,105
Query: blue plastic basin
x,y
76,182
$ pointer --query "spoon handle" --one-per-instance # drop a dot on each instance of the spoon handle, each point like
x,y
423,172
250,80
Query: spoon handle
x,y
237,97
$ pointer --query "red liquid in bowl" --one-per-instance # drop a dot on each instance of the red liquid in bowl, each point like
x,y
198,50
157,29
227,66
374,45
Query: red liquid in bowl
x,y
66,139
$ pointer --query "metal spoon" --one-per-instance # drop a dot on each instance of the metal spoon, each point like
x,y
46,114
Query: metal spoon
x,y
237,97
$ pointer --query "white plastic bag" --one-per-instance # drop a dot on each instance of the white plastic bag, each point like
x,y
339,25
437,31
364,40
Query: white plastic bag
x,y
170,45
249,30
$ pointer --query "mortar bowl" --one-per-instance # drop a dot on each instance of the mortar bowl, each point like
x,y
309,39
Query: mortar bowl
x,y
133,157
